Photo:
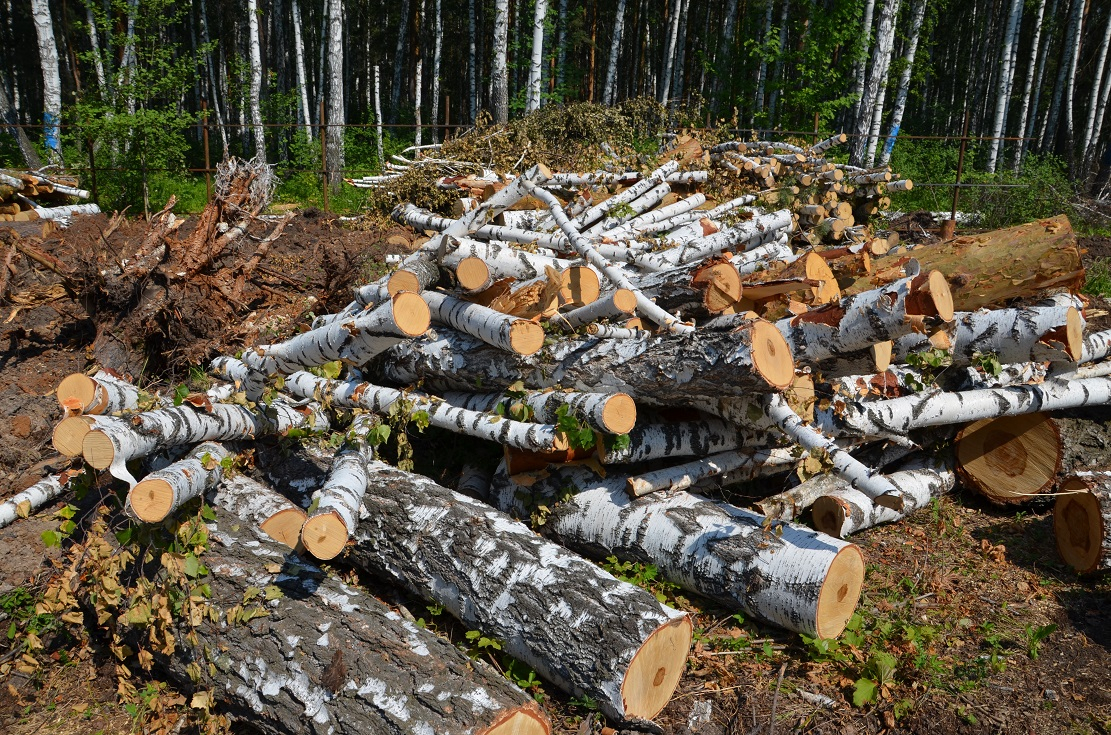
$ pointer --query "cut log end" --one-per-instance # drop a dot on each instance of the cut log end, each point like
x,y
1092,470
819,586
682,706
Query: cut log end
x,y
619,415
655,670
941,295
771,356
828,515
324,535
69,435
1074,334
411,314
722,284
840,592
403,280
581,285
152,500
525,337
473,274
77,389
1078,525
285,526
98,449
527,720
1009,459
625,300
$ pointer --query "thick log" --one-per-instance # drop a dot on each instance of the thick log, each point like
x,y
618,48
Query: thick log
x,y
709,286
100,393
609,413
1010,459
700,438
506,332
658,369
843,510
1082,521
1019,263
578,626
788,575
164,491
442,414
324,658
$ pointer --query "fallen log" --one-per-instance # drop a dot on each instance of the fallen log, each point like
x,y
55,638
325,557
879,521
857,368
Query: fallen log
x,y
577,625
335,508
164,491
42,493
726,467
787,575
506,332
324,658
609,413
100,393
1082,521
1010,459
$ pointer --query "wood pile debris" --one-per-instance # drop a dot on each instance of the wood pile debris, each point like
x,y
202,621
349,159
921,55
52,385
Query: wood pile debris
x,y
26,196
632,352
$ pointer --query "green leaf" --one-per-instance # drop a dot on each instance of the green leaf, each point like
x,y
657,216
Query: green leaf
x,y
332,369
208,513
51,539
192,565
864,692
180,393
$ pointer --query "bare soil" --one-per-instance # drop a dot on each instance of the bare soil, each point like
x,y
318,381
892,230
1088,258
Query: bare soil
x,y
954,594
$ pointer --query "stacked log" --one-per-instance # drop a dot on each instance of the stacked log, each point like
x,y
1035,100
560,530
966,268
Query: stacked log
x,y
31,195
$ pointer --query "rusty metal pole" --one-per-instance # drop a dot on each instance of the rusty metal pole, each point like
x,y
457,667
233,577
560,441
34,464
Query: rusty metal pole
x,y
92,167
815,141
207,163
949,226
324,152
447,118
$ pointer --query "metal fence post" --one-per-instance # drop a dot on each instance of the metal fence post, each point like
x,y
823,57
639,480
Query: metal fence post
x,y
207,163
949,226
324,152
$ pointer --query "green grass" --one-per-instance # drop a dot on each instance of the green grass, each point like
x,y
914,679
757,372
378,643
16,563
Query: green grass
x,y
1097,281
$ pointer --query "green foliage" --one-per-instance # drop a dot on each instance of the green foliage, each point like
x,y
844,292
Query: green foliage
x,y
645,576
1035,636
988,363
1097,279
574,428
929,364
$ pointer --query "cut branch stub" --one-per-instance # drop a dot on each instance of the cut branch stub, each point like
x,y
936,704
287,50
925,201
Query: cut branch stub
x,y
1082,521
1010,459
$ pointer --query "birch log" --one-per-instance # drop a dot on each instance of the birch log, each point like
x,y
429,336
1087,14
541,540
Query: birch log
x,y
656,369
42,493
711,286
636,190
843,510
100,393
441,414
578,626
263,507
725,468
354,340
662,440
328,659
110,445
609,413
251,382
335,507
760,230
789,576
620,303
162,492
521,336
1082,521
1010,459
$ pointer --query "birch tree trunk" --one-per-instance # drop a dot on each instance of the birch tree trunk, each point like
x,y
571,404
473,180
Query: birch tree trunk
x,y
778,66
436,53
399,61
336,112
256,79
536,60
214,89
762,72
1037,57
609,92
335,506
1071,40
378,117
918,14
26,502
578,626
418,86
302,83
127,66
98,60
1097,103
669,53
472,64
1006,76
861,65
871,106
499,75
164,491
677,87
51,79
1070,85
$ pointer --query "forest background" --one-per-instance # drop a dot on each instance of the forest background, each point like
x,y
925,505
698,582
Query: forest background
x,y
123,85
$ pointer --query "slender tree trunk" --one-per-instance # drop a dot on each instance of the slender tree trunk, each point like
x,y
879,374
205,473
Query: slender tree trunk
x,y
336,111
762,72
51,79
1070,86
561,53
98,60
1096,104
904,80
127,67
1049,133
610,90
437,48
1104,96
399,61
860,66
881,95
8,116
213,87
677,83
1037,57
499,76
669,54
536,61
302,84
877,79
378,117
777,70
256,79
472,63
1006,76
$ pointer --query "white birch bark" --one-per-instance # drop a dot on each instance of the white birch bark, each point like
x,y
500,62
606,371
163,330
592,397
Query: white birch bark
x,y
107,394
919,13
710,548
98,60
506,332
877,79
844,510
418,85
499,74
378,116
760,230
51,79
669,53
1003,87
1030,108
1097,346
166,490
577,625
1097,101
609,94
609,413
399,60
1071,41
252,382
255,89
885,44
861,64
109,445
502,260
1070,80
256,503
299,65
1104,98
127,66
336,114
341,495
725,468
636,190
472,64
663,440
620,303
436,53
536,60
441,414
608,331
213,88
354,340
636,207
39,495
762,70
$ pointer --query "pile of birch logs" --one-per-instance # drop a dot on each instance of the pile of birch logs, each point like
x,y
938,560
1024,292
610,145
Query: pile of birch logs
x,y
33,195
622,375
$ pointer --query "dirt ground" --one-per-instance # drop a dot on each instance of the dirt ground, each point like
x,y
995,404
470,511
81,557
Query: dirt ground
x,y
959,596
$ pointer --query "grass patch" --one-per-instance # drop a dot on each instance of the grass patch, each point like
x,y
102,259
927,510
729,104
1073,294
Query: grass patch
x,y
1097,279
